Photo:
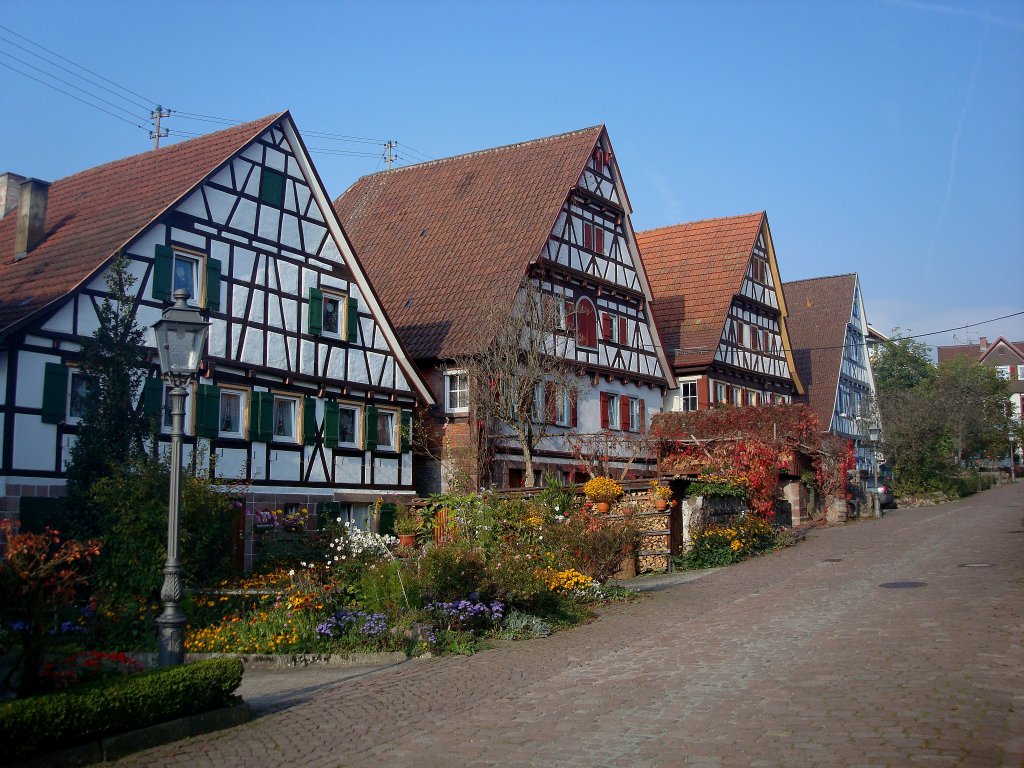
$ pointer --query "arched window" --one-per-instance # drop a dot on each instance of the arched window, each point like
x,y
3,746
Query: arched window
x,y
586,323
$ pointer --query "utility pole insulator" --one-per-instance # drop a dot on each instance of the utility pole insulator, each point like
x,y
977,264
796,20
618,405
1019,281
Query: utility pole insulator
x,y
389,153
157,134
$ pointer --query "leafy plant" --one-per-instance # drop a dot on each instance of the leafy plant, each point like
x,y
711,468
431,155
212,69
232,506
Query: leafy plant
x,y
602,488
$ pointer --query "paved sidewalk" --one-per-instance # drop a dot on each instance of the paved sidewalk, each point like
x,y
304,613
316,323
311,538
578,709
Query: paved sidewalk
x,y
798,658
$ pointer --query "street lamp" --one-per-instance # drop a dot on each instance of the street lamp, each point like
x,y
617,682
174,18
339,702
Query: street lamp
x,y
874,438
180,338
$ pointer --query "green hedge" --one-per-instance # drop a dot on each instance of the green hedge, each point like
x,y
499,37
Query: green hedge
x,y
46,723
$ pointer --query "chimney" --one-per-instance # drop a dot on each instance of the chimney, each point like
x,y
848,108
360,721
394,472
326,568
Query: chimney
x,y
31,225
983,344
10,183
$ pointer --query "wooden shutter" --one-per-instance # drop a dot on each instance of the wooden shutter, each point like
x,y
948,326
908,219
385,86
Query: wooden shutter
x,y
643,415
261,417
207,410
598,239
370,428
316,311
331,411
623,335
271,188
608,159
624,413
570,316
309,420
55,393
549,401
606,326
406,430
588,235
351,320
604,410
213,284
152,397
163,265
598,159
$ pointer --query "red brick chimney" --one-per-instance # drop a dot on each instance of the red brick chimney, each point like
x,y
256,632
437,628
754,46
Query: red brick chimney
x,y
982,344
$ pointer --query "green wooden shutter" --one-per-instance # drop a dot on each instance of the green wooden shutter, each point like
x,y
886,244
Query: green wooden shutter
x,y
406,430
55,393
352,321
327,512
163,264
309,420
213,284
387,518
152,397
207,410
271,188
331,424
316,311
261,417
370,429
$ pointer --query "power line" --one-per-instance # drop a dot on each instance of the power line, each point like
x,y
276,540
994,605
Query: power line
x,y
76,98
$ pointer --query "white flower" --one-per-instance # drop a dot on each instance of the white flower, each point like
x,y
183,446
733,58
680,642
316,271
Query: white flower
x,y
292,571
302,564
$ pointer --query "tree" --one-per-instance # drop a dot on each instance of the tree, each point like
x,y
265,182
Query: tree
x,y
902,364
971,400
112,428
517,372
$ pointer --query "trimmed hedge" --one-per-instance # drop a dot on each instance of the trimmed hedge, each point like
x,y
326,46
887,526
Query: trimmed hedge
x,y
45,723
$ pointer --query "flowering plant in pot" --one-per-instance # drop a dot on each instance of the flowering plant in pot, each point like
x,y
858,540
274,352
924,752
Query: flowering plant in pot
x,y
602,491
407,525
660,495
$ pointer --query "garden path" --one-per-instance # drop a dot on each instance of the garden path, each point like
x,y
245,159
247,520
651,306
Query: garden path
x,y
797,658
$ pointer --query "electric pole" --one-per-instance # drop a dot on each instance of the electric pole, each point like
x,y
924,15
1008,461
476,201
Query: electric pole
x,y
389,153
155,116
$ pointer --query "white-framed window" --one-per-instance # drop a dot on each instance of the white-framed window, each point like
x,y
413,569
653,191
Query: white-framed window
x,y
720,392
1003,372
688,396
456,391
185,274
562,308
634,414
286,412
231,417
537,406
332,323
386,425
78,391
1020,373
737,396
563,408
348,425
613,412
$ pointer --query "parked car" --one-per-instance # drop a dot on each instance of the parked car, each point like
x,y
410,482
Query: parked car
x,y
886,500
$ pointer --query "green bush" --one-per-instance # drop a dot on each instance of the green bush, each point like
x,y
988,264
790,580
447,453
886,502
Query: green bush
x,y
719,544
967,485
47,723
451,570
593,544
513,577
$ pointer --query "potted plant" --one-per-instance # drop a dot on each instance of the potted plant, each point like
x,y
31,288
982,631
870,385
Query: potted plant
x,y
602,491
407,525
660,495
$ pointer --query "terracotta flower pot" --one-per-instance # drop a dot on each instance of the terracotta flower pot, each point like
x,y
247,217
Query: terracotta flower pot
x,y
603,506
661,504
407,539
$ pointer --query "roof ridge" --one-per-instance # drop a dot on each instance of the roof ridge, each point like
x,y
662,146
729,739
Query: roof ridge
x,y
474,153
703,221
174,147
820,277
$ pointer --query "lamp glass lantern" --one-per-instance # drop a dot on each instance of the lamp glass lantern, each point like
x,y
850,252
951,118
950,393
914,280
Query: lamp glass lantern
x,y
180,338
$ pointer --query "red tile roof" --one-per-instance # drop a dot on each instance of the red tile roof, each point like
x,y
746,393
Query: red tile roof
x,y
819,311
975,351
695,270
447,239
92,214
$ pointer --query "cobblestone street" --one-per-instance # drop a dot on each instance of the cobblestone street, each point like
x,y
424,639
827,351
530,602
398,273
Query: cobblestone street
x,y
792,659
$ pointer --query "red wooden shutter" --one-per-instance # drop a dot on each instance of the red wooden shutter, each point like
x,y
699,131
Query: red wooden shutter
x,y
623,413
643,415
586,323
606,326
588,235
574,418
598,239
598,159
703,393
604,410
570,316
549,401
608,158
622,331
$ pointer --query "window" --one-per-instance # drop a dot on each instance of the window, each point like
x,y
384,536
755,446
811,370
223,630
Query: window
x,y
232,406
537,406
348,425
1003,371
612,411
185,275
609,327
456,391
78,391
563,408
285,412
593,237
719,392
688,396
586,323
331,315
1020,373
736,395
634,414
386,430
197,275
563,312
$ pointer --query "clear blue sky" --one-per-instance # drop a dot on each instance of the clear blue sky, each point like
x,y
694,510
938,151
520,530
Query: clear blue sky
x,y
882,137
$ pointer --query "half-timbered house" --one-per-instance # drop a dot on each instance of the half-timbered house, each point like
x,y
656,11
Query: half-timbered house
x,y
719,307
829,329
450,240
305,394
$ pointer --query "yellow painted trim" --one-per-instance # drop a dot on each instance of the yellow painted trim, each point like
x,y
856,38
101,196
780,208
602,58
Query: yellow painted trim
x,y
787,345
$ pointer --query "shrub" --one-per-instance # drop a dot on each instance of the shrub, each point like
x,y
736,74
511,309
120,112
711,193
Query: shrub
x,y
593,544
720,544
45,723
451,570
523,626
514,577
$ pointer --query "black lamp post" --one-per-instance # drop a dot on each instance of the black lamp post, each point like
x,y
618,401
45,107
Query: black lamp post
x,y
180,338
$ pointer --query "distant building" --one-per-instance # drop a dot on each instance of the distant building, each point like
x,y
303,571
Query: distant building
x,y
721,312
829,329
453,239
305,394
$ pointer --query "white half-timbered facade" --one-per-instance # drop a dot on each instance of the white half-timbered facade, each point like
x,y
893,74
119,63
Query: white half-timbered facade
x,y
305,397
720,309
472,228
